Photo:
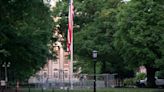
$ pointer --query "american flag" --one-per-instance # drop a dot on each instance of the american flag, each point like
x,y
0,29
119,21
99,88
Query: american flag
x,y
70,26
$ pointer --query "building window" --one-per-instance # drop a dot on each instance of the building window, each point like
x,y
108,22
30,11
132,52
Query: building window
x,y
56,61
55,69
65,75
45,74
55,75
45,69
65,70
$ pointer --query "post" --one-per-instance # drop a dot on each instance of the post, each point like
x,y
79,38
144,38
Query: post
x,y
94,75
71,65
29,90
53,89
5,65
94,55
6,79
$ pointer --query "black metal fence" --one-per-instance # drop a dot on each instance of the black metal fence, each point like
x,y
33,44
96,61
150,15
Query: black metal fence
x,y
83,81
80,81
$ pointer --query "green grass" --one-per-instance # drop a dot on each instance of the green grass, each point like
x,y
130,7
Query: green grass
x,y
100,90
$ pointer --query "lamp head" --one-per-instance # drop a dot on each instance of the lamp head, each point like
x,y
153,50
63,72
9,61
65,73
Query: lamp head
x,y
94,54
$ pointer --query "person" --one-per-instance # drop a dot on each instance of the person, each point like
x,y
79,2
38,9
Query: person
x,y
3,84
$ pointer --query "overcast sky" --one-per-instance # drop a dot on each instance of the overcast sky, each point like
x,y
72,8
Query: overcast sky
x,y
126,0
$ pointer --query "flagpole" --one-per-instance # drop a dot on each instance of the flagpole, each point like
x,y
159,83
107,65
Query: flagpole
x,y
72,63
71,6
70,41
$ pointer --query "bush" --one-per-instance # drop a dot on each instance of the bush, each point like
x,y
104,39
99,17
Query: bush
x,y
160,74
140,76
130,82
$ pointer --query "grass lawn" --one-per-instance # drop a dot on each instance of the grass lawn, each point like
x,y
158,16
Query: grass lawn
x,y
100,90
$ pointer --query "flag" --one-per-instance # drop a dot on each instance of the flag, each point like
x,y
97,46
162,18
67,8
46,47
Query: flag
x,y
70,26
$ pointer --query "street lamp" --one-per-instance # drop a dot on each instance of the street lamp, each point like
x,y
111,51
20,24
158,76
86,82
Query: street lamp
x,y
94,55
5,65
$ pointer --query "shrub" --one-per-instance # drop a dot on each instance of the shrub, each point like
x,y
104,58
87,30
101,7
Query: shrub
x,y
140,76
129,82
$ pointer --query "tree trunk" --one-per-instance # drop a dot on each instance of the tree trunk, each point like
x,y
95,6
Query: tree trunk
x,y
151,77
103,67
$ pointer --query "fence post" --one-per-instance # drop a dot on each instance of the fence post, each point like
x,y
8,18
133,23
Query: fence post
x,y
16,90
42,88
53,89
67,89
29,88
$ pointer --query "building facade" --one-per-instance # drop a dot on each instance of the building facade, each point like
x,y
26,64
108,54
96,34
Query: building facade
x,y
54,69
58,69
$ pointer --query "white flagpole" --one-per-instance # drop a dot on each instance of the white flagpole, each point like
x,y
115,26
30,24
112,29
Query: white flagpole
x,y
71,64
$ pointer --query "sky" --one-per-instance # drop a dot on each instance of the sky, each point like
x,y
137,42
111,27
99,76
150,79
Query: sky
x,y
126,0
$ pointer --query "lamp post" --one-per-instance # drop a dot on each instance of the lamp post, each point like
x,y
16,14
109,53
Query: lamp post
x,y
94,55
5,65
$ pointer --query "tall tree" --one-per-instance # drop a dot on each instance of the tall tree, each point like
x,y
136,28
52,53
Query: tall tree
x,y
140,34
94,26
25,30
97,33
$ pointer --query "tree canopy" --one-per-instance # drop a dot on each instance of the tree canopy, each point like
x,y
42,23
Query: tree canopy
x,y
25,30
126,35
139,35
93,29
